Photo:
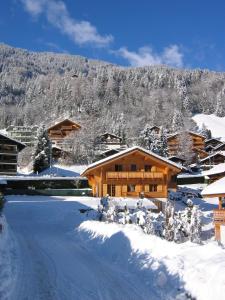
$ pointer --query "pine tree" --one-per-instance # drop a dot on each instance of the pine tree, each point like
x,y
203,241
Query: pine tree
x,y
169,222
219,111
177,121
42,154
146,139
185,147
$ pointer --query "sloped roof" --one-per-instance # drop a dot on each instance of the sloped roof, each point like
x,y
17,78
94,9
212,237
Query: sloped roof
x,y
57,122
129,150
217,169
20,145
187,131
213,139
215,189
212,155
111,134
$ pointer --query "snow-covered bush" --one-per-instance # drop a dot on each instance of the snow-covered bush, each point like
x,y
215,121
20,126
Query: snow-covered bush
x,y
173,226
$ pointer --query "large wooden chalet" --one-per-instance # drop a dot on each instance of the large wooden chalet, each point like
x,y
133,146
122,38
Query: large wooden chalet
x,y
132,172
108,141
9,149
61,130
198,143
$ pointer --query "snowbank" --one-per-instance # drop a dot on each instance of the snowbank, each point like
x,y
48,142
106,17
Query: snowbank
x,y
212,122
7,272
169,269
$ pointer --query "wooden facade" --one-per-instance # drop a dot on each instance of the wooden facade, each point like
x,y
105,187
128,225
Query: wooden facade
x,y
198,142
9,149
61,130
132,172
108,141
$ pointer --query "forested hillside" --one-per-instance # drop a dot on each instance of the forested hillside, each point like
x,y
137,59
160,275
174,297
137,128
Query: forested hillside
x,y
40,87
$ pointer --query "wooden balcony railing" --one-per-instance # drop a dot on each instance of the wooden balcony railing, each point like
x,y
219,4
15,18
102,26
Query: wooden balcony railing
x,y
132,175
219,215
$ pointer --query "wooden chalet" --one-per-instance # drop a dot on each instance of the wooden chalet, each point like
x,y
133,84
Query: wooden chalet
x,y
61,130
213,159
212,142
217,189
215,173
220,147
155,129
132,172
9,149
108,141
198,143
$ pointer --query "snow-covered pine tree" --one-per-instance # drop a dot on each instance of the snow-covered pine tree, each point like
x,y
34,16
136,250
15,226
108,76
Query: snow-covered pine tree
x,y
177,122
42,154
219,111
146,138
185,147
169,222
195,226
159,145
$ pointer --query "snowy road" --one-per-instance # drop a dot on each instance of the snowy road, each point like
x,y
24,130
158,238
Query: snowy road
x,y
54,262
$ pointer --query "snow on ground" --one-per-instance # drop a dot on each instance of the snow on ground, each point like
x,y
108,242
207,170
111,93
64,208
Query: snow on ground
x,y
212,122
62,254
7,270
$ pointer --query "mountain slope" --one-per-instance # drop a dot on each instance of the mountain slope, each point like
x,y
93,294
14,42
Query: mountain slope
x,y
39,87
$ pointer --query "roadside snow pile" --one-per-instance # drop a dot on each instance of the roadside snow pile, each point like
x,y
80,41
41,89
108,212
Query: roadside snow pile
x,y
7,272
213,123
169,270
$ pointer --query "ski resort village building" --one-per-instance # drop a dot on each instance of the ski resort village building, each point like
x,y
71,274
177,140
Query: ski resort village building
x,y
108,141
61,130
25,134
217,189
132,172
175,143
9,149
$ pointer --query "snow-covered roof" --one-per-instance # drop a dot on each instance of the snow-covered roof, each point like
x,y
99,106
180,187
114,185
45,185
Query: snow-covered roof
x,y
212,155
217,169
215,188
126,151
61,120
188,131
213,139
219,146
20,145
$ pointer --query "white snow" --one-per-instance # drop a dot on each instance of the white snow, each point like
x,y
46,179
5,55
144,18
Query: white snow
x,y
215,188
7,271
58,170
212,122
62,254
217,169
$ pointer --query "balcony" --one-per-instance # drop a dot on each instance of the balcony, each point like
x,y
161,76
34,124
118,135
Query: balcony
x,y
134,175
219,216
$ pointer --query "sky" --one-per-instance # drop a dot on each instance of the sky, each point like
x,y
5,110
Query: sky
x,y
178,33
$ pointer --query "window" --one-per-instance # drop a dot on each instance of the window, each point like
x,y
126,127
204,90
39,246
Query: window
x,y
118,168
131,188
133,168
148,168
153,187
111,190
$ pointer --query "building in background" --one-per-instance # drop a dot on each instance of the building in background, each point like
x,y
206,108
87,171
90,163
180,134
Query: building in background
x,y
25,134
9,149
